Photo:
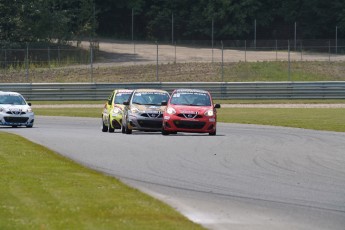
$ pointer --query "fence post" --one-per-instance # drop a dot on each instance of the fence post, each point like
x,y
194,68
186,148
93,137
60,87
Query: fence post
x,y
91,62
276,50
336,40
27,63
245,50
289,61
157,78
59,56
222,61
175,53
329,51
5,60
49,57
301,51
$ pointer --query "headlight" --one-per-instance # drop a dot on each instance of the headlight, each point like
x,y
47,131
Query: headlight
x,y
135,110
171,110
29,110
209,113
117,110
2,109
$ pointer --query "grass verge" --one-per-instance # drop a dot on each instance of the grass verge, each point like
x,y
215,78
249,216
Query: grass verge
x,y
329,119
42,190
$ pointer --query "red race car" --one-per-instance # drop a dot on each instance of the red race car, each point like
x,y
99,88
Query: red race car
x,y
190,110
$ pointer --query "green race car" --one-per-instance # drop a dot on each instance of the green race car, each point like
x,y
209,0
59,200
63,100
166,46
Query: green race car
x,y
113,110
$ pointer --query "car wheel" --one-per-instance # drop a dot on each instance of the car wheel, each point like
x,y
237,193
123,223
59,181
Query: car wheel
x,y
104,127
164,132
14,126
111,130
29,126
123,130
213,133
128,131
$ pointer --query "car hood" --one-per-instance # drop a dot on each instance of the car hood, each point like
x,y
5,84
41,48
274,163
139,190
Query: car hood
x,y
148,108
9,107
121,106
191,109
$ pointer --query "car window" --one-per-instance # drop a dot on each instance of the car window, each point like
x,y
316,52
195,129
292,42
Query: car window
x,y
121,97
12,100
150,98
191,98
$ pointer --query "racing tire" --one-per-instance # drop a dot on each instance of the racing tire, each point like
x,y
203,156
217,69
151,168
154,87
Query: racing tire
x,y
213,133
104,127
14,126
29,126
123,130
110,129
127,130
165,133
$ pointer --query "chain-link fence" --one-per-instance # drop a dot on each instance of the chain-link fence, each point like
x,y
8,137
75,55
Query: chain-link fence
x,y
121,61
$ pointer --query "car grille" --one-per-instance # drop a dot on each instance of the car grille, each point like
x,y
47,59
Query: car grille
x,y
16,119
15,113
189,124
152,115
189,115
150,124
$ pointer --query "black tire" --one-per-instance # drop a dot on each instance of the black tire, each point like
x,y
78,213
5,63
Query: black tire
x,y
213,133
29,126
164,132
123,130
128,131
111,130
104,127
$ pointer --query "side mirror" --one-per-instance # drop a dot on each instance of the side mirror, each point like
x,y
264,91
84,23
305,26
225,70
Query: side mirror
x,y
29,104
217,106
164,103
109,102
126,102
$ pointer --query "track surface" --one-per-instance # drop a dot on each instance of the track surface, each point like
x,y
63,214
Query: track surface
x,y
246,177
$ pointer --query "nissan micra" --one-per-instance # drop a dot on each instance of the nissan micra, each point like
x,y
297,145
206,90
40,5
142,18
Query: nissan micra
x,y
144,110
15,111
113,110
190,110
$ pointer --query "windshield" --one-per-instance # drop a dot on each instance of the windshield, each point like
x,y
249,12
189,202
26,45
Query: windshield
x,y
191,98
12,100
150,98
121,97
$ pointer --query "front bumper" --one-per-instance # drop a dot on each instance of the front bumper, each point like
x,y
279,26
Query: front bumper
x,y
174,123
17,120
145,123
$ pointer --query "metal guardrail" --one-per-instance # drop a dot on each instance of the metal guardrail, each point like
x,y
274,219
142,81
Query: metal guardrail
x,y
219,90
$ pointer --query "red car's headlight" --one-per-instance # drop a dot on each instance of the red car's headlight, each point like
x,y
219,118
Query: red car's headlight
x,y
209,113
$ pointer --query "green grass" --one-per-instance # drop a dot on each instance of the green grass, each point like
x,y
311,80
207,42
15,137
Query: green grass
x,y
186,72
318,119
42,190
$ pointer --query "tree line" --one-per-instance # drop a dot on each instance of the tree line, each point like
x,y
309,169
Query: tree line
x,y
61,20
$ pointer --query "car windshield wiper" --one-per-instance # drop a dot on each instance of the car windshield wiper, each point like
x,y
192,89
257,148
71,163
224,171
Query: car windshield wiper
x,y
137,103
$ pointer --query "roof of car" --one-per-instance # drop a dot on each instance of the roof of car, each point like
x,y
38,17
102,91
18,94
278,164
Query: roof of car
x,y
123,90
190,91
151,90
9,93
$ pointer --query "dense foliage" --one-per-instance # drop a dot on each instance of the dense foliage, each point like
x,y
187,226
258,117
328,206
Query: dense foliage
x,y
23,20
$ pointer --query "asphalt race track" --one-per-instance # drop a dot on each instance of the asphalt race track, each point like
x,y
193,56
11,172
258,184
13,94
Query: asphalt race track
x,y
247,177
